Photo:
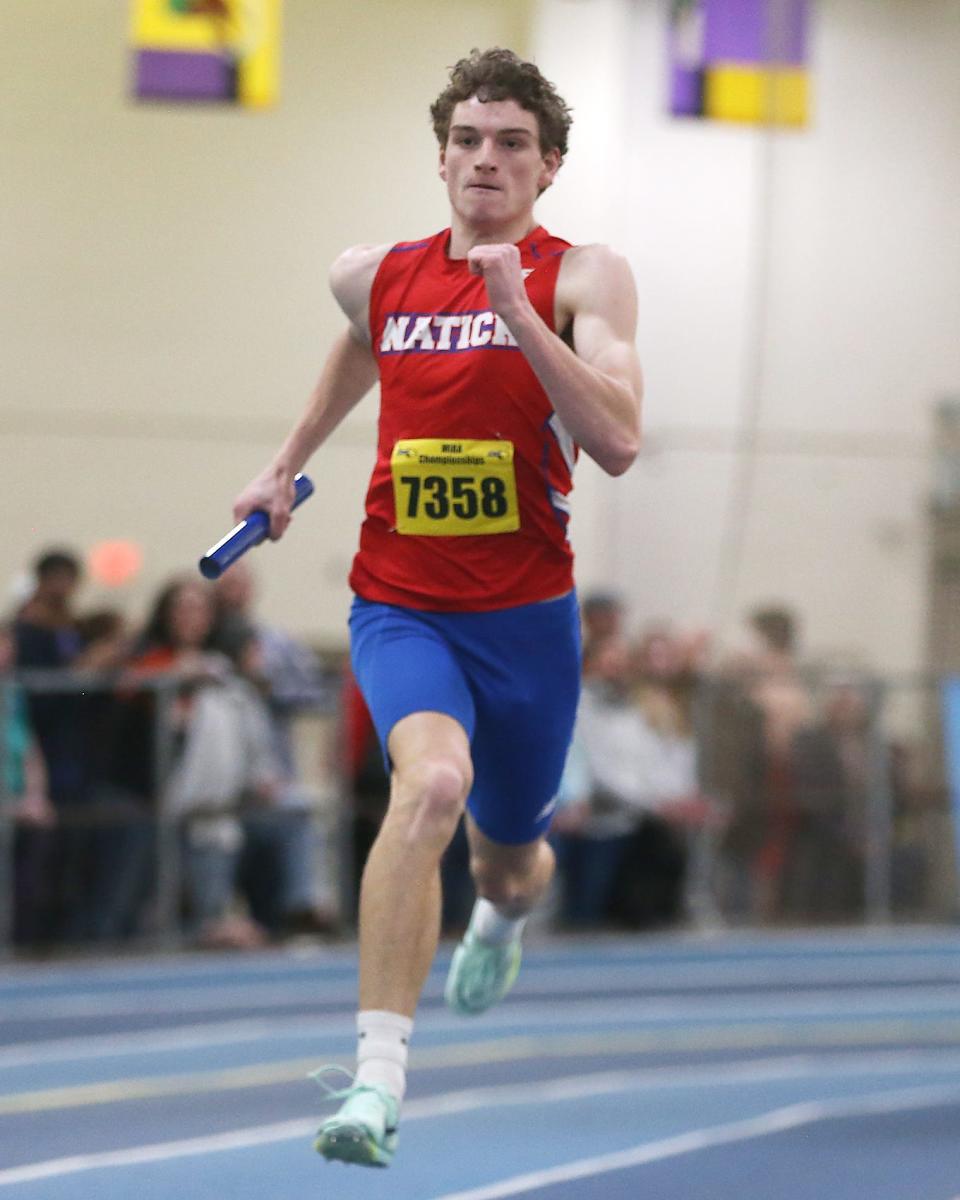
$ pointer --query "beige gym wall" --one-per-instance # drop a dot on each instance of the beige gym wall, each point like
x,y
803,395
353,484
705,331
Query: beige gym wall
x,y
799,320
165,306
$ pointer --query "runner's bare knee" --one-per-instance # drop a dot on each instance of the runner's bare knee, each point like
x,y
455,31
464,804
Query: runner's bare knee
x,y
434,792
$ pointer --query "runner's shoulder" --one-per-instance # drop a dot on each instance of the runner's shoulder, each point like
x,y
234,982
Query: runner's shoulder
x,y
594,260
356,266
589,272
351,278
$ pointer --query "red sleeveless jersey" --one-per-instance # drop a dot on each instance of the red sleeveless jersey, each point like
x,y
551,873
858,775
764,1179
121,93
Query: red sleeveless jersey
x,y
467,507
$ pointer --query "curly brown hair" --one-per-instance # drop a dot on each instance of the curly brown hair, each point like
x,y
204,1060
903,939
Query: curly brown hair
x,y
502,75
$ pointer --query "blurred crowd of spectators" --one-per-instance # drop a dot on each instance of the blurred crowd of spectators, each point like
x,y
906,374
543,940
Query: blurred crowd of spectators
x,y
695,789
630,803
741,787
192,712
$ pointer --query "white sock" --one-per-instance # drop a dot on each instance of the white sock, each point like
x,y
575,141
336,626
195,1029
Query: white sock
x,y
490,926
382,1043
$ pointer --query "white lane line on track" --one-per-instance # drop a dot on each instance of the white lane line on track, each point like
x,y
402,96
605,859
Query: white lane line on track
x,y
473,1054
679,974
558,1035
453,1103
593,1013
177,1037
779,1120
80,992
178,999
830,999
795,1066
544,967
446,1103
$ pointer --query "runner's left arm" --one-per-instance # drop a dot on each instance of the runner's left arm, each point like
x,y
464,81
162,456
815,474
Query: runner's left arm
x,y
596,388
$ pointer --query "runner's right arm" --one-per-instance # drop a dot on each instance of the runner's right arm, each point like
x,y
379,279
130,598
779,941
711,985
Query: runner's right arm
x,y
348,374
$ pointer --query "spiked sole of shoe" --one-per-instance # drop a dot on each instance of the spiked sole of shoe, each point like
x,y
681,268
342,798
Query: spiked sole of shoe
x,y
352,1144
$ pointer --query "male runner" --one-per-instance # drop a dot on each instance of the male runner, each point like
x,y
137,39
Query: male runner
x,y
500,349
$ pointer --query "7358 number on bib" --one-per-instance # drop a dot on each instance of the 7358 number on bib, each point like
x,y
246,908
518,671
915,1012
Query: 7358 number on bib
x,y
448,488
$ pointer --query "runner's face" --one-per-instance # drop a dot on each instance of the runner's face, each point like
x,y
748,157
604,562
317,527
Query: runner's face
x,y
492,163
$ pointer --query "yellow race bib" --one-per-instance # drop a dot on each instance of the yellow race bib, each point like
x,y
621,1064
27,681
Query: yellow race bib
x,y
448,488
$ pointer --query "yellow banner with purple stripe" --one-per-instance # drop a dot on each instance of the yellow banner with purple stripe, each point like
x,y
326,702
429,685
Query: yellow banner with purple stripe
x,y
207,51
740,60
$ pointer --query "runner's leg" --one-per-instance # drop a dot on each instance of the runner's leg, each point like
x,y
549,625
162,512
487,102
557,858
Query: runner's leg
x,y
511,878
399,929
400,893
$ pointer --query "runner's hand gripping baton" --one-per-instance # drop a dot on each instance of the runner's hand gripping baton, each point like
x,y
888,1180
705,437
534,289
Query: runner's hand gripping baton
x,y
249,533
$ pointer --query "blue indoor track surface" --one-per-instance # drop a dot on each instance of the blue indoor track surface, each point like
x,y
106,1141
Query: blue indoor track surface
x,y
734,1067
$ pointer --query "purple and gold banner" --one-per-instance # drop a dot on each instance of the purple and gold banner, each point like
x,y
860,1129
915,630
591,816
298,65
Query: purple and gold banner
x,y
207,51
740,60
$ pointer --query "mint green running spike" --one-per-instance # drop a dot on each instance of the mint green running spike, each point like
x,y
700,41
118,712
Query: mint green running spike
x,y
364,1128
481,974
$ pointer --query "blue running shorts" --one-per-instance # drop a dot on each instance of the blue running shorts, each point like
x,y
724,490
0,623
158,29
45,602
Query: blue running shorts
x,y
510,677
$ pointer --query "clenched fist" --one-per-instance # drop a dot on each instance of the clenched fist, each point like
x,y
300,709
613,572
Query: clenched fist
x,y
499,265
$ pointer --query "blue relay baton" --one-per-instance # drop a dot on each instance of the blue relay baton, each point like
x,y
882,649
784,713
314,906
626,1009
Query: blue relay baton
x,y
249,533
